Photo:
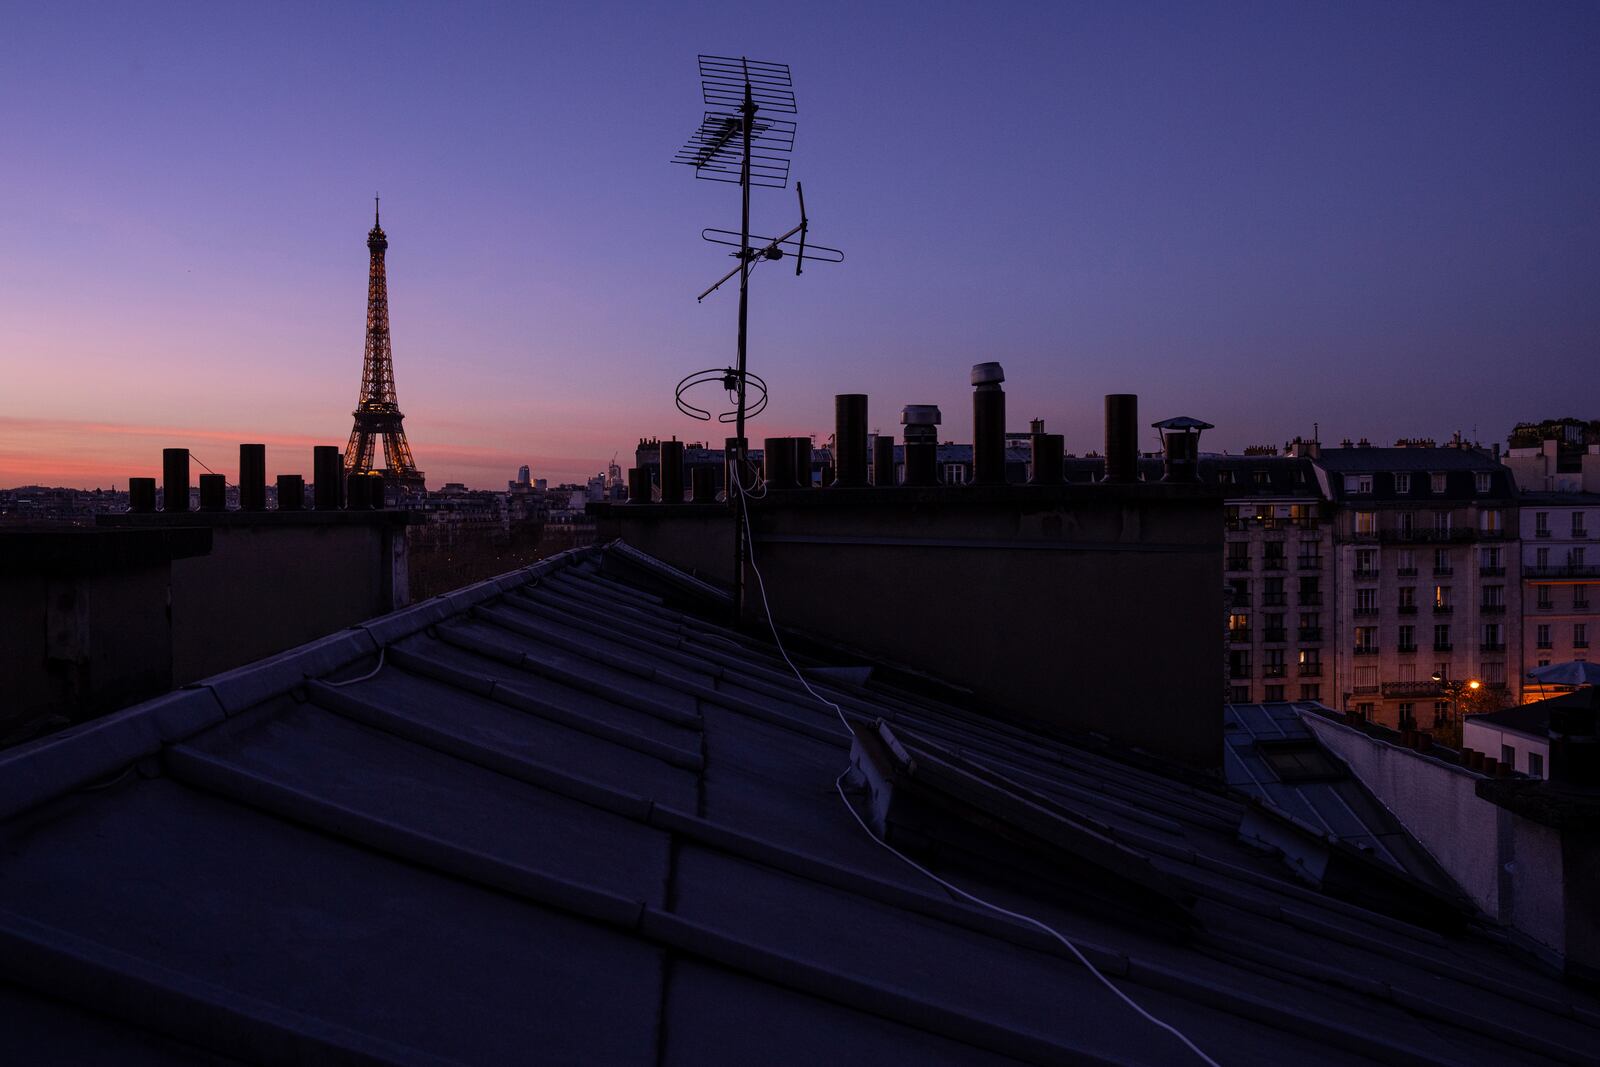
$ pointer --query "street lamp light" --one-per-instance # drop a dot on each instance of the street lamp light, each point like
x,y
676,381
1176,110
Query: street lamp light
x,y
1453,690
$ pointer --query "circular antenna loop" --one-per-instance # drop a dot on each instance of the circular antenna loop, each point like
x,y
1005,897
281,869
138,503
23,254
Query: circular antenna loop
x,y
755,393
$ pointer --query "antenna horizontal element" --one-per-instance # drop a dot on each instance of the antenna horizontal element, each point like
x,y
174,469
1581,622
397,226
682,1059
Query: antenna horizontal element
x,y
716,149
723,80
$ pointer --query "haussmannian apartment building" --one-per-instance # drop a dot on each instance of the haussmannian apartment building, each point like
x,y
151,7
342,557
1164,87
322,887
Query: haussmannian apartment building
x,y
1277,568
1426,579
1560,576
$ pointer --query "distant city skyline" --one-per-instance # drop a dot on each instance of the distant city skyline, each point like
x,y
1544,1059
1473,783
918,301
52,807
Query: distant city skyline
x,y
1374,218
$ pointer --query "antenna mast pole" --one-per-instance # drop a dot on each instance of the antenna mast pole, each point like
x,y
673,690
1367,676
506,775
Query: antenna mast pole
x,y
748,110
732,146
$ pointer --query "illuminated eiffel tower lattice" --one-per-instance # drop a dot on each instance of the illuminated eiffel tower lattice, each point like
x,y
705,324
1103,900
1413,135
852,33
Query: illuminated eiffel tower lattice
x,y
377,411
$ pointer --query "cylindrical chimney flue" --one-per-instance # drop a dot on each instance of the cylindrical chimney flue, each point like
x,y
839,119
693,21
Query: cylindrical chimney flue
x,y
174,479
291,492
703,484
213,493
1047,464
327,470
1122,437
1182,457
638,485
988,425
777,463
850,439
671,454
921,429
883,472
141,495
356,496
252,477
802,462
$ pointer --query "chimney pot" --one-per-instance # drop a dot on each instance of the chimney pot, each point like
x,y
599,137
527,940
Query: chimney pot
x,y
638,485
141,495
174,479
703,484
1122,440
291,492
252,477
921,444
988,425
671,460
213,493
327,471
883,465
850,439
1048,468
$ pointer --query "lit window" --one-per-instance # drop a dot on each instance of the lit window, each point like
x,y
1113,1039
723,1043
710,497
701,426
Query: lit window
x,y
1492,520
1366,522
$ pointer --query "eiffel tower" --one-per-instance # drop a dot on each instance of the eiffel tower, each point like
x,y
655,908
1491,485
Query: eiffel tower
x,y
377,411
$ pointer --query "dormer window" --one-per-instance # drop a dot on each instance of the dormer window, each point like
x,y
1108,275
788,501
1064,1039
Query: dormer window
x,y
1481,481
1402,483
1358,483
1437,483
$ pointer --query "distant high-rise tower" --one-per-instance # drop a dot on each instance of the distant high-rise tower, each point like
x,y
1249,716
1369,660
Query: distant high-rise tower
x,y
377,411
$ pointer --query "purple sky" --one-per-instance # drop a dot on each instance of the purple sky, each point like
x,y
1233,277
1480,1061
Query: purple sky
x,y
1380,217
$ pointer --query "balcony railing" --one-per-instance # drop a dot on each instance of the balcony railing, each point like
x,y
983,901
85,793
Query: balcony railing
x,y
1407,609
1443,609
1274,670
1309,563
1270,635
1443,572
1405,572
1492,609
1238,563
1580,644
1274,563
1446,647
1491,572
1422,536
1492,646
1274,600
1365,611
1366,650
1366,572
1240,672
1310,670
1309,634
1239,637
1411,689
1544,644
1565,570
1310,600
1541,533
1406,648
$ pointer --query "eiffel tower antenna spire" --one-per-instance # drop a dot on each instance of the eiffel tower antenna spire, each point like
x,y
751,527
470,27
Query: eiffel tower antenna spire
x,y
377,411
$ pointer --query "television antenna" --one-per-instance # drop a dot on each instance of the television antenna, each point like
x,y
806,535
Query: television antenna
x,y
743,139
